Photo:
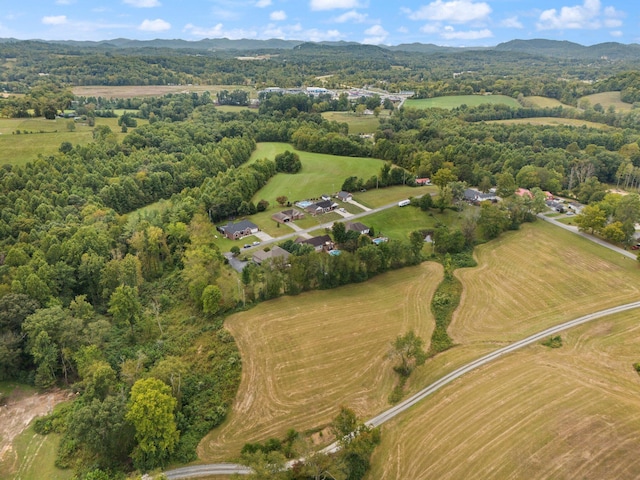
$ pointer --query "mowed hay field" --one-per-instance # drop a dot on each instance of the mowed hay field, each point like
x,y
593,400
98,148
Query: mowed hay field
x,y
566,413
305,356
454,101
607,99
573,122
357,123
133,91
320,173
535,278
545,102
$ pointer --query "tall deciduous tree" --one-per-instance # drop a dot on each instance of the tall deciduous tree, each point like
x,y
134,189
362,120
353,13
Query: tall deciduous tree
x,y
151,412
408,348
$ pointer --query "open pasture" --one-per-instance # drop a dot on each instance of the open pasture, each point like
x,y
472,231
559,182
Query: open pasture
x,y
573,122
515,292
608,99
566,413
378,197
454,101
304,356
39,136
320,173
132,91
544,102
357,123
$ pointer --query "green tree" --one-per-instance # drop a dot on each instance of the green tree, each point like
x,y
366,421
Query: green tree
x,y
125,307
151,412
592,219
506,185
409,349
443,177
211,298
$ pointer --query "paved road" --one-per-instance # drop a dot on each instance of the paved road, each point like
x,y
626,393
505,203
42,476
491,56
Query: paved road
x,y
594,239
207,470
202,470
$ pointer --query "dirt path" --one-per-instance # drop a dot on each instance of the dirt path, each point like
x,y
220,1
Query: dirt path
x,y
21,408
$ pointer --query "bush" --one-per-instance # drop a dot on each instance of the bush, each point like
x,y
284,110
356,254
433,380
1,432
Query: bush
x,y
553,342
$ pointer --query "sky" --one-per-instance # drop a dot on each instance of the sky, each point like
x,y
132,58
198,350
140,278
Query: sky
x,y
389,22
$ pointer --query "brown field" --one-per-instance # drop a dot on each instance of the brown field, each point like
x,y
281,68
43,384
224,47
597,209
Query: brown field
x,y
132,91
606,99
574,122
305,356
566,413
545,102
514,293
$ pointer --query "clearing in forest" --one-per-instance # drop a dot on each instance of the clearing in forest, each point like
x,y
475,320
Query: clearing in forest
x,y
454,101
608,99
306,355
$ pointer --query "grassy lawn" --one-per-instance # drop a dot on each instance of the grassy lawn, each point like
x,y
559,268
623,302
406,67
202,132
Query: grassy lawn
x,y
296,375
36,454
270,226
454,101
23,148
396,223
384,196
607,99
537,413
574,122
357,123
231,108
320,173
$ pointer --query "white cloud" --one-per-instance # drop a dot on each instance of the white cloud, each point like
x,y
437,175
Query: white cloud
x,y
296,32
351,16
278,16
333,4
455,11
375,35
450,34
589,15
65,2
218,31
511,22
157,25
403,30
142,3
616,33
430,28
263,3
55,20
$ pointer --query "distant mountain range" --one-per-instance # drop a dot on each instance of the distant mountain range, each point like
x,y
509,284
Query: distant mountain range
x,y
539,47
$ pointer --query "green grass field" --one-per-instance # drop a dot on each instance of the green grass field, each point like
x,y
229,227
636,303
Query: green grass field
x,y
378,197
454,101
18,149
357,123
396,223
607,99
304,356
545,102
320,173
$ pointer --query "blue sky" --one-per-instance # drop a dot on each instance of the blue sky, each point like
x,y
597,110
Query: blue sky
x,y
390,22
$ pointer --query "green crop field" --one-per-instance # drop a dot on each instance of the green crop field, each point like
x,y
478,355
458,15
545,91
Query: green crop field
x,y
454,101
320,173
571,412
357,123
304,356
608,99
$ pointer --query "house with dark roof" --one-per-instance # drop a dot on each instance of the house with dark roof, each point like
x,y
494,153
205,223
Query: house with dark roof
x,y
287,216
276,252
320,243
344,196
475,196
234,231
323,206
361,228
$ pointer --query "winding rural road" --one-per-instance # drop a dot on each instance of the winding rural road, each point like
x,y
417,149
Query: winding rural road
x,y
225,468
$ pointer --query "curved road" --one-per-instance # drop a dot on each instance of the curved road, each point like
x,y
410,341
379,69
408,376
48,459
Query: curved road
x,y
219,468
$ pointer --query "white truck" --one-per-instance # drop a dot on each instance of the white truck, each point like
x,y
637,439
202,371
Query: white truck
x,y
404,203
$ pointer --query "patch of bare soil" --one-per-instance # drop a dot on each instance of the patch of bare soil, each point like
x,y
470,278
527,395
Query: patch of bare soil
x,y
18,412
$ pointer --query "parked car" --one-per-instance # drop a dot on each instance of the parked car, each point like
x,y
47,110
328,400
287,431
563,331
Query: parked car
x,y
246,245
635,247
256,243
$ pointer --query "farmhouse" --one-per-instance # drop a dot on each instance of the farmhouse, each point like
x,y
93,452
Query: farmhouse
x,y
361,228
423,181
238,230
276,252
323,243
521,192
323,206
287,216
344,196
